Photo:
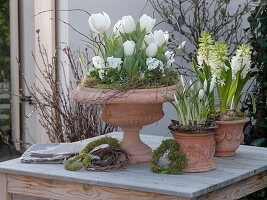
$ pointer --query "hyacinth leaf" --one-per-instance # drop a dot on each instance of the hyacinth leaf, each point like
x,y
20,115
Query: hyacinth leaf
x,y
240,86
199,73
140,41
206,69
232,90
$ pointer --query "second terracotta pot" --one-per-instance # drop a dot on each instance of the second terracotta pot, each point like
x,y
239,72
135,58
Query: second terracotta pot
x,y
199,150
228,136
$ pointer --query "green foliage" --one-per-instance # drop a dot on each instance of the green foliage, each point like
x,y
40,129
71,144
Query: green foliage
x,y
177,159
4,41
191,104
256,131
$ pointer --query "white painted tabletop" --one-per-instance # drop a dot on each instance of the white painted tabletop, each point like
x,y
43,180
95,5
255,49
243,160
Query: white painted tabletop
x,y
247,162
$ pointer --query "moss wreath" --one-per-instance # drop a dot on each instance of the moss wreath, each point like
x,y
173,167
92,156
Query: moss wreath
x,y
84,158
177,159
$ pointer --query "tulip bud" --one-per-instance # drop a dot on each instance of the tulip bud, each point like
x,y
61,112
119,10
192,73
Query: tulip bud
x,y
147,23
205,85
181,46
128,24
201,94
151,50
167,36
182,80
149,39
128,47
99,23
159,37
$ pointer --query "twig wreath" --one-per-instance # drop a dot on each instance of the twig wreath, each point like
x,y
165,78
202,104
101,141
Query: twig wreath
x,y
84,159
177,159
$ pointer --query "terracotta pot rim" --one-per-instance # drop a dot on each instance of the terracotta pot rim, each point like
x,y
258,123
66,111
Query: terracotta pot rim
x,y
239,121
193,135
103,96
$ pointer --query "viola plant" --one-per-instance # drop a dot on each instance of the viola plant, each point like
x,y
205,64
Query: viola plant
x,y
229,73
131,52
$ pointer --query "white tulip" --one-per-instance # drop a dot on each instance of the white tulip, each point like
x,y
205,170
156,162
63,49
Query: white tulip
x,y
151,50
159,37
205,85
128,47
201,94
147,23
128,24
117,29
99,23
149,39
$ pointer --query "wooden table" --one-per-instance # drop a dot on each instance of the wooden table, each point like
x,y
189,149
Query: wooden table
x,y
233,178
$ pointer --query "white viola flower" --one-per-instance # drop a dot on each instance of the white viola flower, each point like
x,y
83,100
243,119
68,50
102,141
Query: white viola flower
x,y
117,29
101,73
147,23
159,37
128,47
151,50
142,75
114,63
98,62
181,46
201,94
99,23
152,63
170,58
128,24
167,36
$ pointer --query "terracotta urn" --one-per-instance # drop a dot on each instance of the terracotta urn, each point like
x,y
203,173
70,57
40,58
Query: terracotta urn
x,y
228,136
130,110
199,150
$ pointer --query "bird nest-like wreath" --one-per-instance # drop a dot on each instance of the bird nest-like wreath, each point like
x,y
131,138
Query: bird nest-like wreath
x,y
101,159
177,159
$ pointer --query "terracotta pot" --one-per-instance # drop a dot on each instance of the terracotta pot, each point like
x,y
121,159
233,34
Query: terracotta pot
x,y
130,110
199,150
228,136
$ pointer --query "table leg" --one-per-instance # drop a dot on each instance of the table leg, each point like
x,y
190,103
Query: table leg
x,y
4,195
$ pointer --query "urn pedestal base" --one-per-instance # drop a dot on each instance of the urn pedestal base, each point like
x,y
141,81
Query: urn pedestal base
x,y
131,118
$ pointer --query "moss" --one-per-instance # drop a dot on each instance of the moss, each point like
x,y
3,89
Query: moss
x,y
84,159
177,159
134,83
230,115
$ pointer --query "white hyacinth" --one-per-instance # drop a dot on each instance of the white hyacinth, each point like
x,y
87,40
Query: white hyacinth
x,y
98,62
114,63
241,61
153,63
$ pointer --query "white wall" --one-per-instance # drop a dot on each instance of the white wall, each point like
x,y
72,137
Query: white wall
x,y
27,45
